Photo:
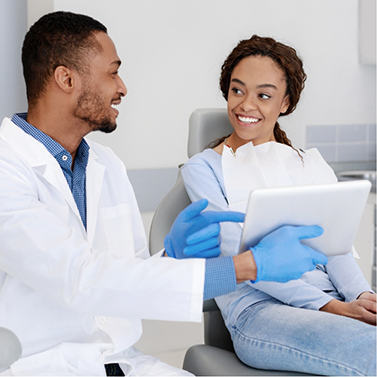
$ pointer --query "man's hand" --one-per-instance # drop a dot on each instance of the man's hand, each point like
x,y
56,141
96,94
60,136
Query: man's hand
x,y
196,234
362,309
280,256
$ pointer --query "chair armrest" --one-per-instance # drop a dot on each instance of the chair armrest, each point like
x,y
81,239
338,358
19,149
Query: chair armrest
x,y
10,346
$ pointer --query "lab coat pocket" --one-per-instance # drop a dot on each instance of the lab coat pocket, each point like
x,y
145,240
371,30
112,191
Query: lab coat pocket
x,y
119,229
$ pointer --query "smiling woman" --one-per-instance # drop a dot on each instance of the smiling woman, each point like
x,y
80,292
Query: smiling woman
x,y
273,325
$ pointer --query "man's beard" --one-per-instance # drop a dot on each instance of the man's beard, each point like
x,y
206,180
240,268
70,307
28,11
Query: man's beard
x,y
90,109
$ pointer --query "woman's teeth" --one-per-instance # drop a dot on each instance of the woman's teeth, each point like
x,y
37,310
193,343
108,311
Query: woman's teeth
x,y
248,120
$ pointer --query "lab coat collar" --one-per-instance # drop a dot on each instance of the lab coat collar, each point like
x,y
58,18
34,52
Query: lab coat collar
x,y
41,160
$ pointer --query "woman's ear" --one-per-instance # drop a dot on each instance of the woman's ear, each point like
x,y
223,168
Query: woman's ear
x,y
285,105
64,78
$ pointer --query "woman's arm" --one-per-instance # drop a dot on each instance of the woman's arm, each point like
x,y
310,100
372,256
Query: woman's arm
x,y
203,179
363,308
347,277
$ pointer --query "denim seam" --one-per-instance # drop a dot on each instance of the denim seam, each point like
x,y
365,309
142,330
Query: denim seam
x,y
268,343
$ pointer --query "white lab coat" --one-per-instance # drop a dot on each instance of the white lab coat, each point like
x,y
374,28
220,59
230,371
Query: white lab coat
x,y
74,298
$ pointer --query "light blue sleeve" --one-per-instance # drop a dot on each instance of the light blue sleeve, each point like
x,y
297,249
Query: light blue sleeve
x,y
203,178
295,293
347,277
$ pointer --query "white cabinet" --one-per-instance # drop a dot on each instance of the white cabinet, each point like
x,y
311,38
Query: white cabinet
x,y
367,31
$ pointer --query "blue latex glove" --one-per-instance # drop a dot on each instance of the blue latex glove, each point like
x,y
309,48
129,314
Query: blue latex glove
x,y
280,256
196,234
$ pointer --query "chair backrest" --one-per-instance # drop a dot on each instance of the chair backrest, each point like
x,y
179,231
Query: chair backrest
x,y
205,126
173,203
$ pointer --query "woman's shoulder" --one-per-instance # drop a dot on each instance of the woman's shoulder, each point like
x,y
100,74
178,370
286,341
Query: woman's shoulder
x,y
207,157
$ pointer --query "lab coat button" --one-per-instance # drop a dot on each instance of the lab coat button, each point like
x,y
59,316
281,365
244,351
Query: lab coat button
x,y
102,320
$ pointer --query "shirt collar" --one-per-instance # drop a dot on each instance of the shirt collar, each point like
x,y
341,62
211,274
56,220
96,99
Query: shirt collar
x,y
62,156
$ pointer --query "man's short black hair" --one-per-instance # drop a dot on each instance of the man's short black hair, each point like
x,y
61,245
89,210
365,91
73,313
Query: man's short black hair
x,y
58,38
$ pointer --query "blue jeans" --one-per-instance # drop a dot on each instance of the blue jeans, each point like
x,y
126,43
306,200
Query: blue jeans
x,y
272,335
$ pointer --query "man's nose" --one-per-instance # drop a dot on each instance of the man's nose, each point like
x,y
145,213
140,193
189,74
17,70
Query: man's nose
x,y
122,89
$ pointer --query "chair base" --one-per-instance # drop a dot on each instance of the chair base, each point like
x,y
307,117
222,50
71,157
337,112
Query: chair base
x,y
203,360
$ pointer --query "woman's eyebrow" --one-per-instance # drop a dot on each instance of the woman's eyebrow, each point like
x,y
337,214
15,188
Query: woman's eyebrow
x,y
239,82
259,86
267,86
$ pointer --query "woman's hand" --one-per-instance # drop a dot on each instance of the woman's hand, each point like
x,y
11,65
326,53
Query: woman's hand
x,y
362,309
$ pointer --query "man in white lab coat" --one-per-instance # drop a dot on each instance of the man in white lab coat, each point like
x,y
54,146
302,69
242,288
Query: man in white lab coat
x,y
75,274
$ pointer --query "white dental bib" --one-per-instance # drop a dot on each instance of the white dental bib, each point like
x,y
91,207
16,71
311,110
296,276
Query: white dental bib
x,y
269,165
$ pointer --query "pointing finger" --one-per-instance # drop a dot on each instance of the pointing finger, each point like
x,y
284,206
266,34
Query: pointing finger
x,y
216,217
193,209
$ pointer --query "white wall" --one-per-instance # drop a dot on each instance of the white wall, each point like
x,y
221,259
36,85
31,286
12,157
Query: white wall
x,y
172,52
12,31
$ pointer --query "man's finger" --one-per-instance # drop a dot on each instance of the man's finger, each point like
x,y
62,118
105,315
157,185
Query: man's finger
x,y
211,253
211,243
193,209
220,216
309,231
318,258
209,231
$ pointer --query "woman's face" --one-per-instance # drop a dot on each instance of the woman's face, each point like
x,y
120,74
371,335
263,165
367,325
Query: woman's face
x,y
256,98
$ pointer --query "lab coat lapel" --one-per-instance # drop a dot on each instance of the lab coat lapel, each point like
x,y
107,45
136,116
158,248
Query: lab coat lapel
x,y
39,158
94,178
54,175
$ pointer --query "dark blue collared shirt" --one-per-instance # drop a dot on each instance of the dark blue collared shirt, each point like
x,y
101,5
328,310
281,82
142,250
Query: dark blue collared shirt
x,y
76,175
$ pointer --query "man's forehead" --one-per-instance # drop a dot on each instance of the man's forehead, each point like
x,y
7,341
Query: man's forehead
x,y
109,52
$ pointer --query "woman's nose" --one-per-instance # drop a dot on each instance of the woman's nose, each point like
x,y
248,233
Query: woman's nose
x,y
248,104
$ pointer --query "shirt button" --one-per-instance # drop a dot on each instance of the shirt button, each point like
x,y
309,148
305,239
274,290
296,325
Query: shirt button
x,y
64,158
102,320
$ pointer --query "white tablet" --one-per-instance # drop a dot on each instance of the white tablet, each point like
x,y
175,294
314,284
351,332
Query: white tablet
x,y
336,207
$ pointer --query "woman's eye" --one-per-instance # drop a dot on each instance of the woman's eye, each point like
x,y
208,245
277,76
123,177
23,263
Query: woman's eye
x,y
264,96
236,91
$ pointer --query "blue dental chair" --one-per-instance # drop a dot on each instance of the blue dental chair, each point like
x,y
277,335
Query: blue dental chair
x,y
216,357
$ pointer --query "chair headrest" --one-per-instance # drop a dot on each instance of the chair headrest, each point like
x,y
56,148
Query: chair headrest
x,y
205,126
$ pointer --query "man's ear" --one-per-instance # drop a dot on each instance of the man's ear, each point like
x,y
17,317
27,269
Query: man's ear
x,y
65,78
